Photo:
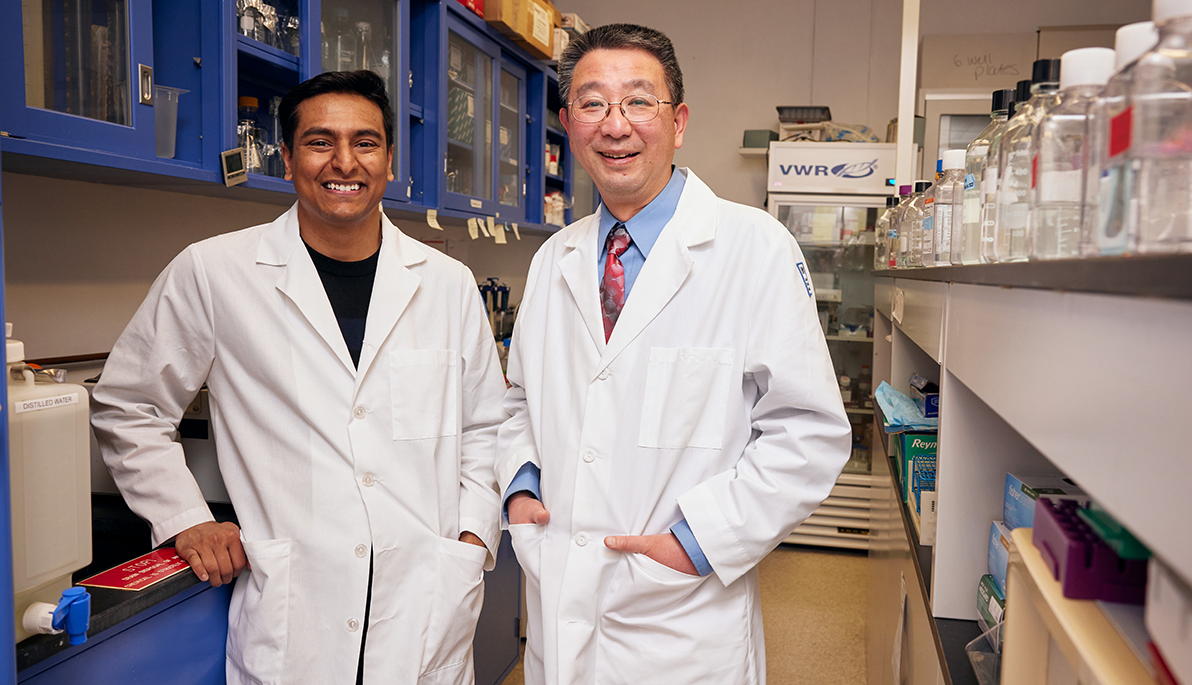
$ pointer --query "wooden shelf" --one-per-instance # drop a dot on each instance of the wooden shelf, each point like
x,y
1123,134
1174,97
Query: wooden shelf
x,y
1166,276
1041,616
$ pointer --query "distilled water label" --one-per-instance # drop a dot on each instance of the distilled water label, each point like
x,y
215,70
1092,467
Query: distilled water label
x,y
41,403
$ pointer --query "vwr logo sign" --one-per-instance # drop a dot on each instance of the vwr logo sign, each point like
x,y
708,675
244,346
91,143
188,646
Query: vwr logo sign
x,y
855,170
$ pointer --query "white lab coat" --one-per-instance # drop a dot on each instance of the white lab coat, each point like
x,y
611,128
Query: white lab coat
x,y
713,400
326,464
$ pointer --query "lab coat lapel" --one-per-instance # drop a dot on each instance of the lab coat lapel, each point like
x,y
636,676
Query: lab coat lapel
x,y
393,288
578,268
667,267
281,245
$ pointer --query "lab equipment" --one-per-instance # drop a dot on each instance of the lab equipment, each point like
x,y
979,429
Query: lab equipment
x,y
1058,165
991,170
949,204
1085,566
912,220
165,119
967,250
250,135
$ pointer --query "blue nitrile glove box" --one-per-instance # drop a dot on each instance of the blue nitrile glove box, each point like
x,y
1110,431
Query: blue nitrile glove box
x,y
1018,503
999,554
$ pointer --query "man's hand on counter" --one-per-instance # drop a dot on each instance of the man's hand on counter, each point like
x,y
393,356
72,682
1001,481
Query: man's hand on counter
x,y
213,551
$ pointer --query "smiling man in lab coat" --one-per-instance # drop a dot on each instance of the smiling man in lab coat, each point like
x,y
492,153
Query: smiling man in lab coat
x,y
674,413
355,395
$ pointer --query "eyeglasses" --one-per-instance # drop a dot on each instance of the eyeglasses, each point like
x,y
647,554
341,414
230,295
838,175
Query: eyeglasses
x,y
593,109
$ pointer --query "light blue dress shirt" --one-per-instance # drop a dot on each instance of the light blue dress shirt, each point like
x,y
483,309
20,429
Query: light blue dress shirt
x,y
644,229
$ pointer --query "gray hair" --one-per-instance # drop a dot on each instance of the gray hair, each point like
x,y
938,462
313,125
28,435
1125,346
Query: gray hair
x,y
622,37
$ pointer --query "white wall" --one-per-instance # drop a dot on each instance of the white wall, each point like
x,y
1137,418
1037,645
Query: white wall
x,y
740,60
79,257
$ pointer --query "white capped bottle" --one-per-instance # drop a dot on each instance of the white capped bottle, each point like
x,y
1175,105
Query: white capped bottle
x,y
1016,165
990,171
967,250
1061,141
881,231
912,222
1160,142
949,205
899,239
1109,171
927,230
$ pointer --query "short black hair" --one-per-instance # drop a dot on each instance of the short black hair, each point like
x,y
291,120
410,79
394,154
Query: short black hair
x,y
364,83
622,37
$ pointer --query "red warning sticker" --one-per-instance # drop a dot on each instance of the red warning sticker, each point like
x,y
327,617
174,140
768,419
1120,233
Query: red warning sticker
x,y
1120,132
140,573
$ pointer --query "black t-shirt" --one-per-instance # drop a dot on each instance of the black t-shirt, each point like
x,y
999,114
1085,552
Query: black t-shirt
x,y
349,288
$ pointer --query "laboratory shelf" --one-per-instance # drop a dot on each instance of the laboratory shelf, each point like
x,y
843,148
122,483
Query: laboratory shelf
x,y
459,143
414,110
553,132
753,151
470,87
554,177
1165,276
858,410
266,53
848,338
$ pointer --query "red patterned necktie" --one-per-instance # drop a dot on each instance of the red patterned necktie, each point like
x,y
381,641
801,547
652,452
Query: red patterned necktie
x,y
612,286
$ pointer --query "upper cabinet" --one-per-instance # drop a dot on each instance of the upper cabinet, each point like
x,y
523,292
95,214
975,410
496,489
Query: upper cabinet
x,y
164,86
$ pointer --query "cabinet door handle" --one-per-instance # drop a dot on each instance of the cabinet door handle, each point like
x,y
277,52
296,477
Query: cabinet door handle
x,y
146,84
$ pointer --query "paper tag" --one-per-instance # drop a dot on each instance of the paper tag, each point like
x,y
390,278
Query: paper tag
x,y
41,403
995,610
476,204
432,219
897,305
499,234
473,229
483,228
542,25
141,572
970,182
515,233
492,226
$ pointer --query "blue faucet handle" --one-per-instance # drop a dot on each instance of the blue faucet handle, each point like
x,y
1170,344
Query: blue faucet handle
x,y
74,614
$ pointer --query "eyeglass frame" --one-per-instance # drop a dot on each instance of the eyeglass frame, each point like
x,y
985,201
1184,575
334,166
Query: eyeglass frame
x,y
608,108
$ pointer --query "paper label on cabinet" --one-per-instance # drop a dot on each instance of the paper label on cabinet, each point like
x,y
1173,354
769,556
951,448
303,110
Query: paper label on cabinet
x,y
41,403
473,229
499,234
542,27
432,219
897,305
476,204
492,226
515,233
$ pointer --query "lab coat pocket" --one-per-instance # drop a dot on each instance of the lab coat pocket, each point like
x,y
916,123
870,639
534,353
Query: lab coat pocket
x,y
459,594
527,545
424,386
686,397
258,616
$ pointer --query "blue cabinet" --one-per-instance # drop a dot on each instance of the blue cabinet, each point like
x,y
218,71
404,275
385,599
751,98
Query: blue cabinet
x,y
470,137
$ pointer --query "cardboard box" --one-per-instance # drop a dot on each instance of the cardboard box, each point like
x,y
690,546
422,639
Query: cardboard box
x,y
912,444
1018,500
562,38
991,605
504,16
999,554
985,61
538,34
574,25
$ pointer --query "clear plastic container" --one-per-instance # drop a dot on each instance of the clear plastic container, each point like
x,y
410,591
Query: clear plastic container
x,y
967,250
1160,134
1016,165
1061,139
912,222
881,230
165,119
949,206
898,238
991,167
1108,176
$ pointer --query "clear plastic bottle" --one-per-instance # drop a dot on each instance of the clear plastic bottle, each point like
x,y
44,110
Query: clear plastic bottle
x,y
949,205
250,134
881,231
927,230
343,49
990,168
898,238
1017,165
1103,226
1160,142
967,250
912,222
1061,141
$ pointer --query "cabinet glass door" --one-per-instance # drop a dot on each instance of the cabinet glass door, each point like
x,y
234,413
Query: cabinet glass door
x,y
76,58
509,136
469,119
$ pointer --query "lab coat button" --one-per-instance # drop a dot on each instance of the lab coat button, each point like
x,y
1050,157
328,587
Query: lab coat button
x,y
369,480
604,375
361,551
581,539
589,456
353,625
360,412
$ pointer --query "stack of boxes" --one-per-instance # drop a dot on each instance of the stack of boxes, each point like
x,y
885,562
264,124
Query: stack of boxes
x,y
529,23
573,27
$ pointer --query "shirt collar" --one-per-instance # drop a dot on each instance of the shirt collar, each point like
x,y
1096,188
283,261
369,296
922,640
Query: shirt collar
x,y
645,226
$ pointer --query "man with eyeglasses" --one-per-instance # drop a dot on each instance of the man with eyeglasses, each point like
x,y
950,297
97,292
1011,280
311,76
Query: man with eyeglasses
x,y
674,412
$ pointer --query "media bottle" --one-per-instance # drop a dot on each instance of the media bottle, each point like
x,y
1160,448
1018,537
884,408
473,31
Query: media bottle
x,y
990,168
1061,141
912,222
1016,165
1160,138
1103,225
966,250
899,239
927,231
949,205
881,234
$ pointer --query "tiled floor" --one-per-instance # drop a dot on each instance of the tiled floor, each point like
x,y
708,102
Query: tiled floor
x,y
813,602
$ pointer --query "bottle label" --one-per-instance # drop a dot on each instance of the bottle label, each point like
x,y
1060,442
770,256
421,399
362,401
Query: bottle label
x,y
927,223
1034,170
22,406
1120,131
970,182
